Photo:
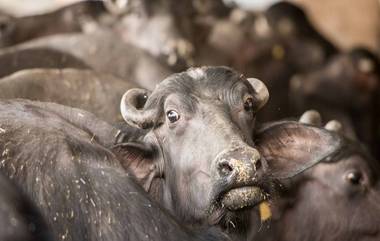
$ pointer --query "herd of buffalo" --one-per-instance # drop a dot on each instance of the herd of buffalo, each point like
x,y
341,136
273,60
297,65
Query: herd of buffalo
x,y
119,121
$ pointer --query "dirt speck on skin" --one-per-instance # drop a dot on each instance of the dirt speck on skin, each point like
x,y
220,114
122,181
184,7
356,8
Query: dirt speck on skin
x,y
243,171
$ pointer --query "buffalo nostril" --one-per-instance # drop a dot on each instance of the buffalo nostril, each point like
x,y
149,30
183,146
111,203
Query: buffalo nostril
x,y
225,168
257,165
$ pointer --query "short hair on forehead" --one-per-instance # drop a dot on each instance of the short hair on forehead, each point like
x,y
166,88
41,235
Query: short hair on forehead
x,y
199,78
212,77
196,82
189,103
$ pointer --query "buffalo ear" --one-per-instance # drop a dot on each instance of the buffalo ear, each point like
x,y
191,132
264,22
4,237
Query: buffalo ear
x,y
291,147
138,159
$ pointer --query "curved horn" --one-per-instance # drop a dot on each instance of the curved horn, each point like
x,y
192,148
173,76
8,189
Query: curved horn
x,y
262,93
311,117
131,108
116,7
334,125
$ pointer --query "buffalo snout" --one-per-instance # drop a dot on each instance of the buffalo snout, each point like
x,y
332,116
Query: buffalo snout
x,y
238,166
238,173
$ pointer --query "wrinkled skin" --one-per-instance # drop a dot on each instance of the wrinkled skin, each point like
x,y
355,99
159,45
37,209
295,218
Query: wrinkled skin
x,y
74,18
355,76
198,140
337,199
58,156
19,218
85,89
101,51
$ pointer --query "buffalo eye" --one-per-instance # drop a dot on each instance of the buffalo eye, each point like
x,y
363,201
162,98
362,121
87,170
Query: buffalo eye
x,y
172,115
354,177
248,104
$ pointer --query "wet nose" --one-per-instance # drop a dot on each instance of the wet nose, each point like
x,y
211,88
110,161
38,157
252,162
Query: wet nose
x,y
240,166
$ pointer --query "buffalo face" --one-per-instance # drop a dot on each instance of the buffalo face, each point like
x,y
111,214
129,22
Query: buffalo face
x,y
198,156
338,199
351,190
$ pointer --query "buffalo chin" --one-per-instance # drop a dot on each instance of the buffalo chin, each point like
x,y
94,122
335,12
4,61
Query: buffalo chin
x,y
239,198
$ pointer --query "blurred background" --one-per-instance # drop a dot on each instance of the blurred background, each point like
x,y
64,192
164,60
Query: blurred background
x,y
348,23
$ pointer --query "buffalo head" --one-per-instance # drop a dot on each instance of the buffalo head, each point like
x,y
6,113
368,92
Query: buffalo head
x,y
198,156
337,199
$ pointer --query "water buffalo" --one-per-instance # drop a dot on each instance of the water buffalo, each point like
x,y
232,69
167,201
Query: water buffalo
x,y
97,93
228,40
177,32
285,42
284,34
19,218
198,139
338,199
192,149
304,46
160,28
101,51
74,18
163,28
57,155
355,76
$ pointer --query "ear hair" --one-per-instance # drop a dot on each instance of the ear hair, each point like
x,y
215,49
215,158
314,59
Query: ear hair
x,y
291,147
138,159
